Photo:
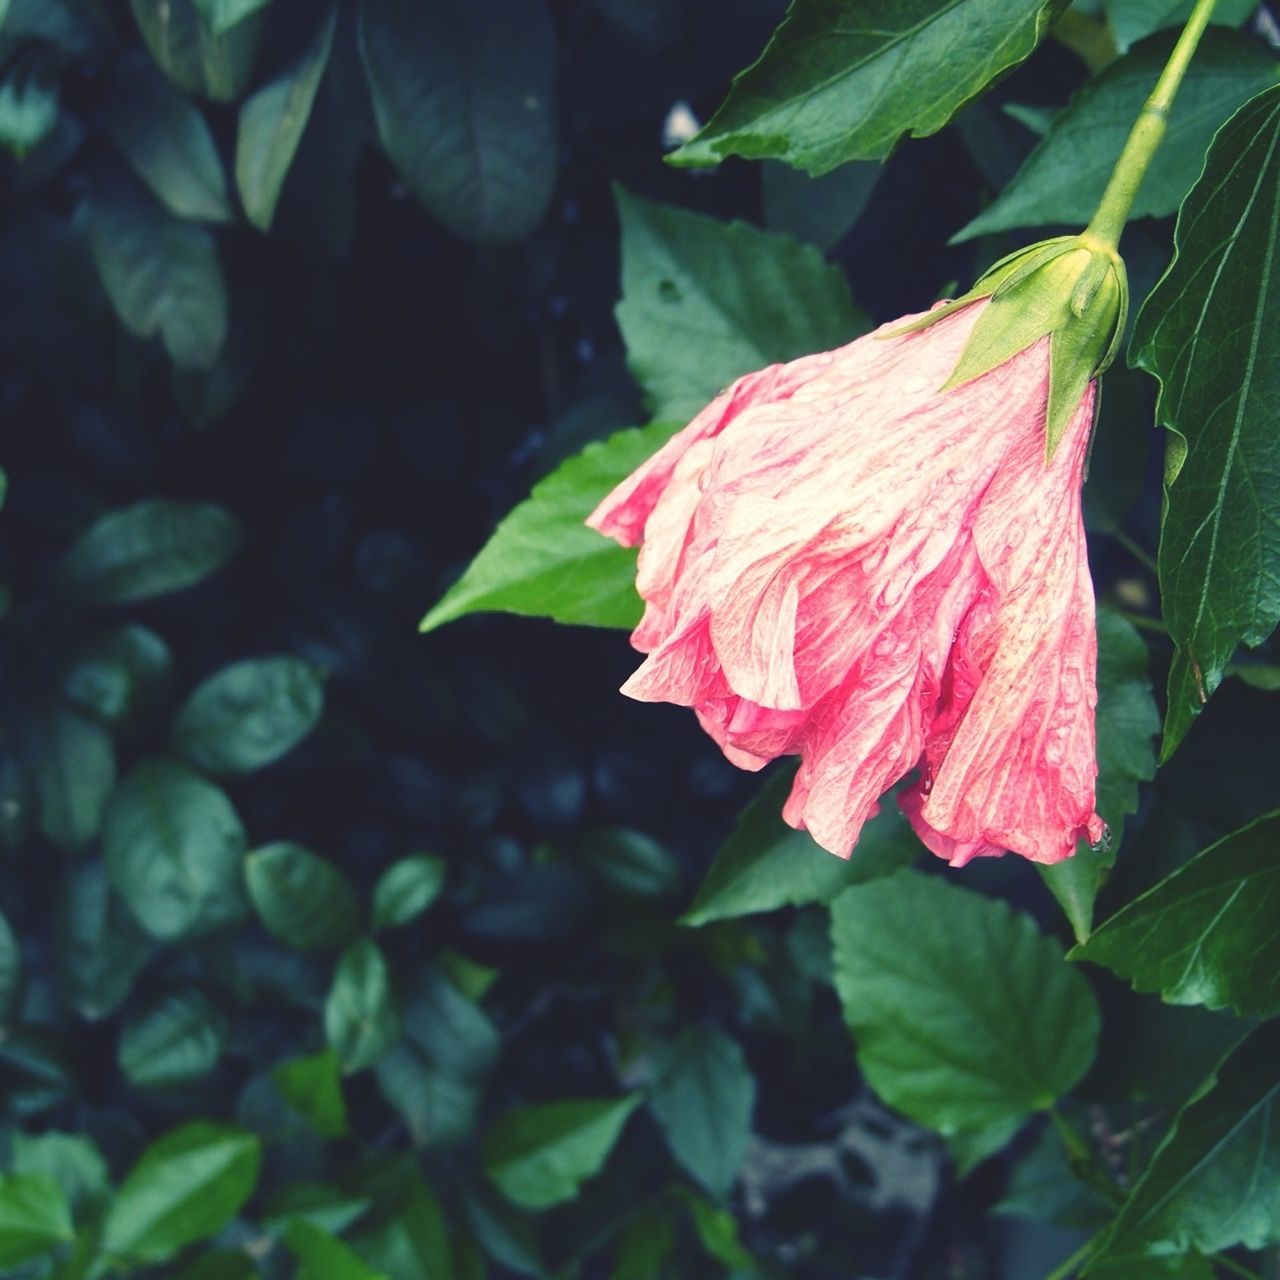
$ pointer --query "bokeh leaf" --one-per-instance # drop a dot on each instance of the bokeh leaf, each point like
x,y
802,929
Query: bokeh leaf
x,y
303,899
361,1020
74,766
705,301
841,79
406,889
312,1086
1207,933
249,714
195,50
10,969
323,1257
1130,20
962,1013
173,845
34,1217
118,677
1220,543
173,1040
222,15
464,98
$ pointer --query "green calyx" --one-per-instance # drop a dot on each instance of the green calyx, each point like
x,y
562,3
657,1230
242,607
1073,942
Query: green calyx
x,y
1073,289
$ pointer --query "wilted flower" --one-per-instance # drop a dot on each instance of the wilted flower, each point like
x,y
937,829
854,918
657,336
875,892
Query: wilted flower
x,y
869,558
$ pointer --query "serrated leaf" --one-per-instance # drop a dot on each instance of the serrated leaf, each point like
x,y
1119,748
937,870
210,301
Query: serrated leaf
x,y
361,1021
161,274
173,845
1062,180
962,1013
1130,20
271,125
705,301
165,138
100,947
406,889
249,714
543,562
222,15
149,549
34,1217
1210,332
212,59
302,899
322,1257
184,1187
172,1041
766,864
1207,933
1212,1183
73,764
465,102
1126,723
313,1088
841,79
703,1096
540,1155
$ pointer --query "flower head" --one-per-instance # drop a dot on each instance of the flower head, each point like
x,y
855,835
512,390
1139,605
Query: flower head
x,y
863,560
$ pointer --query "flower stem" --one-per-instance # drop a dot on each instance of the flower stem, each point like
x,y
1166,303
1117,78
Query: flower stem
x,y
1148,130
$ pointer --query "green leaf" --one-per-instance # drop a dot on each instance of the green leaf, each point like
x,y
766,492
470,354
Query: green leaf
x,y
1130,20
73,1162
249,714
173,846
185,1186
166,140
414,1242
10,969
272,123
37,1072
322,1257
543,562
465,102
361,1021
176,1039
313,1088
1212,1181
630,862
766,864
29,99
198,53
73,765
149,549
1210,332
962,1013
1063,179
842,79
222,15
1126,723
120,676
34,1217
406,889
1045,1188
703,1097
539,1156
303,899
717,1230
1206,934
100,948
161,274
705,301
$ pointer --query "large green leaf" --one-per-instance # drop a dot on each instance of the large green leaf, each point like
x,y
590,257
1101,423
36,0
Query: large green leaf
x,y
272,123
465,102
1213,1182
963,1014
173,845
847,79
161,274
72,762
1130,20
100,947
185,1186
1210,332
249,714
195,50
540,1155
1064,177
1126,723
149,549
703,1096
542,561
34,1217
1206,934
766,864
303,899
705,301
361,1021
172,1040
166,140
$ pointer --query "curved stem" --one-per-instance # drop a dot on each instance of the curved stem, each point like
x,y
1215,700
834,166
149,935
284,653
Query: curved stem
x,y
1148,130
